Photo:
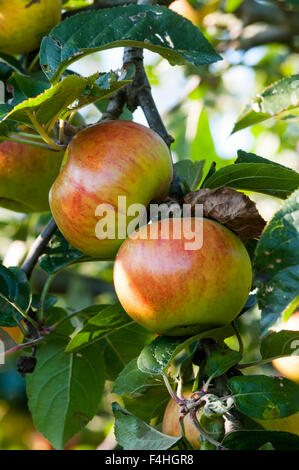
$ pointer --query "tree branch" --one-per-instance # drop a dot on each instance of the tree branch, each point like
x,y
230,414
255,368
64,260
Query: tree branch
x,y
38,247
139,93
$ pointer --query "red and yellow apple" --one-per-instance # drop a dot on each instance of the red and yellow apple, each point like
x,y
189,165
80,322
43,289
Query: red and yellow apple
x,y
289,366
27,173
175,291
105,161
171,425
23,23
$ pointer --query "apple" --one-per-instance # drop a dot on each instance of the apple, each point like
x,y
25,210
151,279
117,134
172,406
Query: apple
x,y
289,366
174,291
183,8
171,425
23,23
14,332
26,175
105,161
288,424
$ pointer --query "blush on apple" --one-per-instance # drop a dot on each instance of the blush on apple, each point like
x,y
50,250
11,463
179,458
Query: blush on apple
x,y
174,291
105,161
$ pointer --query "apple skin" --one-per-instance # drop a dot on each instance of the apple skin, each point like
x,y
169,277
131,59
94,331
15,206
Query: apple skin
x,y
288,424
171,425
178,292
23,23
14,332
183,8
111,159
27,173
289,366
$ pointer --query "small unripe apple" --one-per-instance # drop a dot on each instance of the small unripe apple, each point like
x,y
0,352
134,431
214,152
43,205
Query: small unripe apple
x,y
175,291
171,425
27,173
105,161
289,366
23,23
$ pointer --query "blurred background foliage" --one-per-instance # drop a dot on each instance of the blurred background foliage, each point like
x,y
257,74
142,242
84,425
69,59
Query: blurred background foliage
x,y
259,44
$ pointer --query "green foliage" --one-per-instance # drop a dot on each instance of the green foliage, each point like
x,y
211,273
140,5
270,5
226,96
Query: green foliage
x,y
262,397
133,434
151,27
79,350
65,391
156,357
276,264
280,100
253,440
280,344
274,180
46,108
15,295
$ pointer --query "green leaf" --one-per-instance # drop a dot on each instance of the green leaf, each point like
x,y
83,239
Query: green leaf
x,y
65,391
12,63
120,349
283,343
276,264
202,146
263,178
253,440
151,27
71,93
220,361
60,254
134,434
143,394
262,397
190,172
156,357
245,157
108,320
28,87
279,100
132,380
15,295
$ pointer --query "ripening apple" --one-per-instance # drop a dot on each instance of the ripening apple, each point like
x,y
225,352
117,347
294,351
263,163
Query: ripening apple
x,y
175,291
23,23
14,332
289,366
26,175
106,161
183,7
171,425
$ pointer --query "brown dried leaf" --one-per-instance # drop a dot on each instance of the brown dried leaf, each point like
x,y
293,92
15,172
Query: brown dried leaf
x,y
231,208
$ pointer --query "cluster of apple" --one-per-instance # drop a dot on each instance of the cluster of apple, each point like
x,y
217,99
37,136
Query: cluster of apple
x,y
161,285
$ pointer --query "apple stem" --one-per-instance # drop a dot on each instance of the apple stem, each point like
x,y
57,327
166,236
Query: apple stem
x,y
178,400
43,133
